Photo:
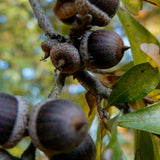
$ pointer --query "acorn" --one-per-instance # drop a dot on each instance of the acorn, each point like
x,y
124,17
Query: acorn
x,y
65,57
46,46
102,11
13,119
101,49
86,151
65,10
57,126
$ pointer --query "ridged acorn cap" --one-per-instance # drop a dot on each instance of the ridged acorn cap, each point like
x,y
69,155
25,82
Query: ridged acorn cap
x,y
57,126
101,10
83,48
86,151
65,57
13,119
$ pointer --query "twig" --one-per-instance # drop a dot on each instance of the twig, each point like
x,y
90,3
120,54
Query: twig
x,y
102,112
58,85
88,81
92,84
95,87
43,20
99,71
80,25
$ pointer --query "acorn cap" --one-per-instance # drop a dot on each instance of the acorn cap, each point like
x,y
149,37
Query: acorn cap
x,y
83,48
100,18
65,57
14,118
32,126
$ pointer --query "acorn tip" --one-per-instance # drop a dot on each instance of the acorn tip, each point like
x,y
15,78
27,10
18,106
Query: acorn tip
x,y
124,48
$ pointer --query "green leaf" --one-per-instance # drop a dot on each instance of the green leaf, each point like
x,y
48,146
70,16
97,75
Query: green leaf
x,y
133,6
113,145
143,147
146,119
99,141
137,35
156,146
136,83
155,2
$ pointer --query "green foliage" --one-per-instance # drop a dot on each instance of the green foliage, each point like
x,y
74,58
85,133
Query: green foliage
x,y
155,2
137,34
136,83
133,6
143,139
146,119
99,141
155,142
113,140
22,73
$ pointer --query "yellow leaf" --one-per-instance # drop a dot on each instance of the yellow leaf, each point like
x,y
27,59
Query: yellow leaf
x,y
153,51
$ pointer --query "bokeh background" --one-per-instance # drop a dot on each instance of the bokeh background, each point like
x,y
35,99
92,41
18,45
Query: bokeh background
x,y
22,72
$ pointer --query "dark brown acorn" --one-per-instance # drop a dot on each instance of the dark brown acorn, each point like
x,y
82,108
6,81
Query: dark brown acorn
x,y
104,49
101,10
86,151
57,126
4,155
13,119
65,11
65,57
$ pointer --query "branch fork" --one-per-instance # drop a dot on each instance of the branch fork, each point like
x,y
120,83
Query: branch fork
x,y
90,82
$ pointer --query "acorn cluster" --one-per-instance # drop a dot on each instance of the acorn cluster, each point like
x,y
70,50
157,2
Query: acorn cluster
x,y
57,127
86,49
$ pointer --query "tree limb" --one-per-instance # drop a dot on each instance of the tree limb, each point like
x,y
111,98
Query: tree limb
x,y
58,85
92,84
43,20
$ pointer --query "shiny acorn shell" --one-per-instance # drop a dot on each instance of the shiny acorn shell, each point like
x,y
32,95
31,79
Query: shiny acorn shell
x,y
101,10
57,126
105,49
108,6
13,119
86,151
65,57
65,11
